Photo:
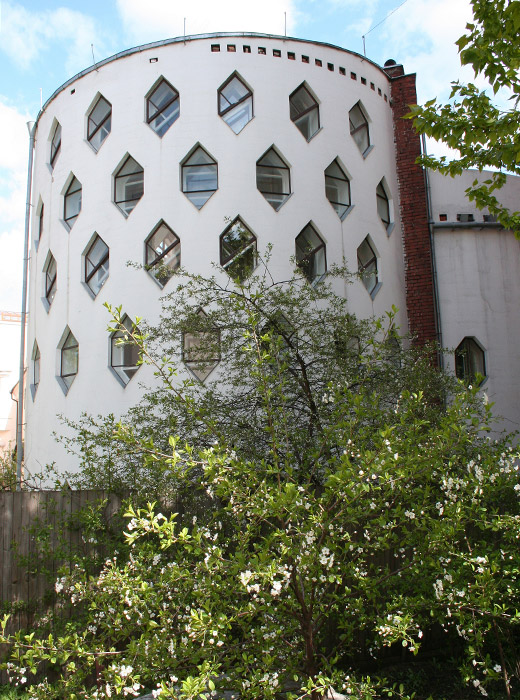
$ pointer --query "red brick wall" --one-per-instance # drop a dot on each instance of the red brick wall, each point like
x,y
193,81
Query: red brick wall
x,y
420,298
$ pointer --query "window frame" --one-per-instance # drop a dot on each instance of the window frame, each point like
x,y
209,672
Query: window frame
x,y
91,134
231,106
382,199
117,177
65,345
149,118
335,205
364,126
69,221
466,355
211,363
276,206
227,261
185,164
305,112
39,215
35,369
88,275
305,262
55,146
127,371
363,268
149,265
49,281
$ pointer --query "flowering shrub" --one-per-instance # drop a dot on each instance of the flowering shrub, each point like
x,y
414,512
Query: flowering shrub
x,y
346,514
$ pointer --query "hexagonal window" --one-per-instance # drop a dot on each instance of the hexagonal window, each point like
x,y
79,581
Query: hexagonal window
x,y
238,254
337,188
124,353
68,349
199,177
162,253
359,128
235,103
99,122
162,106
367,266
55,143
470,360
305,111
35,369
201,347
310,254
96,269
128,185
72,202
50,274
383,204
273,178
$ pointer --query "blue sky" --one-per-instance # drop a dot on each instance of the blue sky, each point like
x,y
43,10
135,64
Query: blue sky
x,y
45,42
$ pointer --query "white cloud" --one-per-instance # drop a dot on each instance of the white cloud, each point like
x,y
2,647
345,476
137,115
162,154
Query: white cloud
x,y
14,151
166,19
24,35
422,35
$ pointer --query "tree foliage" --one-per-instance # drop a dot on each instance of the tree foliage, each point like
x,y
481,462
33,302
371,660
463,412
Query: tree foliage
x,y
345,505
485,134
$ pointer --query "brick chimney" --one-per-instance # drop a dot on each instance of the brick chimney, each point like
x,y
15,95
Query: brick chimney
x,y
420,297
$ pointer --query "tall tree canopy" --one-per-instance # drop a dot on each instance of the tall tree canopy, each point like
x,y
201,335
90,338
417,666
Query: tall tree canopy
x,y
474,123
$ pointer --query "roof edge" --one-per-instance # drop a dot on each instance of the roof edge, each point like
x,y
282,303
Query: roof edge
x,y
185,39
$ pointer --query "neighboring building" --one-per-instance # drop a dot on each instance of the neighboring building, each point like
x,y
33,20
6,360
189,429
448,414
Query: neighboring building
x,y
157,154
477,266
10,322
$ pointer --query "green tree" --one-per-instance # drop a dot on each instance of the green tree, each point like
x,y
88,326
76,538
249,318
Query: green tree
x,y
485,135
342,506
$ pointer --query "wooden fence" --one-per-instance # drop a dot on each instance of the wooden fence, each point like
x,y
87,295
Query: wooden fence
x,y
32,523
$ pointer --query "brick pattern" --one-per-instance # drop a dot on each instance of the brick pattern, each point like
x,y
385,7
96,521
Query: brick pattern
x,y
420,297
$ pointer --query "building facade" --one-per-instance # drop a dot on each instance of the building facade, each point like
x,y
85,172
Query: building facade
x,y
200,151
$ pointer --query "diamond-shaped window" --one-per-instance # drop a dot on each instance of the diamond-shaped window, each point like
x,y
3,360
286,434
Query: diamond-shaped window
x,y
273,178
162,253
238,254
201,347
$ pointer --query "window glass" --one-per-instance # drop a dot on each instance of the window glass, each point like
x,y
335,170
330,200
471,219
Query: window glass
x,y
69,359
310,254
162,107
124,354
72,202
35,366
383,206
199,177
162,253
359,128
96,265
470,360
235,104
129,185
238,254
273,178
201,348
305,112
50,275
55,144
367,265
99,123
40,224
337,188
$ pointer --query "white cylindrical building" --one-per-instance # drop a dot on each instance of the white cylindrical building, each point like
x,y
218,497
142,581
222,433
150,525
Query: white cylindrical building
x,y
148,155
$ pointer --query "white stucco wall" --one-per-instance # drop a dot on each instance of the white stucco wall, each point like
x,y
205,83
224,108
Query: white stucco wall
x,y
479,288
196,72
